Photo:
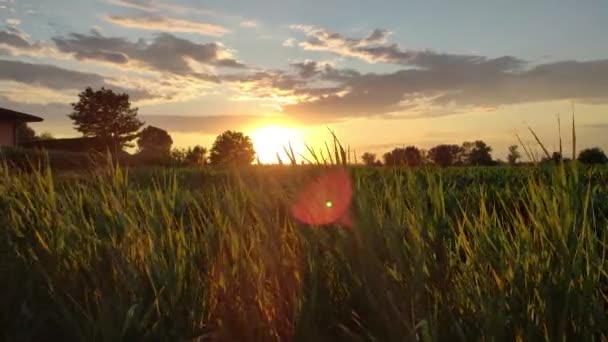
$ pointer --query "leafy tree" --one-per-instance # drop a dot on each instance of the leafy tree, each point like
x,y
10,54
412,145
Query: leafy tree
x,y
444,155
369,159
154,141
593,155
25,133
410,156
514,154
106,115
45,136
232,148
196,156
480,154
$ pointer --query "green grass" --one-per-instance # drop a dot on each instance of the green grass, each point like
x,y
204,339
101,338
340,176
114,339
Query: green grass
x,y
183,254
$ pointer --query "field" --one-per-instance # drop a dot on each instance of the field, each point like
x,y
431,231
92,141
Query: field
x,y
192,254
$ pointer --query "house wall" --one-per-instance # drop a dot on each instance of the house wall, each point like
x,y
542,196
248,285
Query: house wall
x,y
7,133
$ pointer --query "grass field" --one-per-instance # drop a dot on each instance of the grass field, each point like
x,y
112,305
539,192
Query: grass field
x,y
159,254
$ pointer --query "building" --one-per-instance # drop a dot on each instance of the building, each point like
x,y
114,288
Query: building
x,y
9,120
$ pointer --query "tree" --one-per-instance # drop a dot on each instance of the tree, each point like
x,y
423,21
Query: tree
x,y
444,155
410,156
45,136
232,148
196,156
369,159
593,155
154,141
25,133
514,154
106,115
479,154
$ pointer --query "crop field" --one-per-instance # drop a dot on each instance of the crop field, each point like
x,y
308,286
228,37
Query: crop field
x,y
305,253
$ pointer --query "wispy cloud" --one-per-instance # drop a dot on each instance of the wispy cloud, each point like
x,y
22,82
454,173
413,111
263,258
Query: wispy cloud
x,y
249,23
142,5
13,21
165,24
289,42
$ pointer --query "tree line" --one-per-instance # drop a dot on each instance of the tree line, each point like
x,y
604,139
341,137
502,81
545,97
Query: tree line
x,y
110,118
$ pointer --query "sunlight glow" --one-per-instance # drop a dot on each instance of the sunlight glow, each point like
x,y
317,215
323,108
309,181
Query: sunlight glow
x,y
270,140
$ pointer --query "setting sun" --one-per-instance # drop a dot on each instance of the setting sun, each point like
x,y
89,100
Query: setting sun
x,y
270,140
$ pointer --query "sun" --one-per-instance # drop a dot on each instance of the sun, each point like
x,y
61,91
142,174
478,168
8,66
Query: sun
x,y
270,140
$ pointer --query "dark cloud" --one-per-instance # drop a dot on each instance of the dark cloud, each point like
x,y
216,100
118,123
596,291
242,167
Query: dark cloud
x,y
56,78
165,53
446,90
13,38
306,69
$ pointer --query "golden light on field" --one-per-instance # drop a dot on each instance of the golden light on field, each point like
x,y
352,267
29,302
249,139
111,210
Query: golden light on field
x,y
270,140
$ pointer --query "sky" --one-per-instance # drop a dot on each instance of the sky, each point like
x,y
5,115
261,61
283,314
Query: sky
x,y
380,74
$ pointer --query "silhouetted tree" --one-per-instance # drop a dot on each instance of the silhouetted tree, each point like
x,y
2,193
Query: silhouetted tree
x,y
556,157
444,155
232,148
410,156
154,141
196,156
514,154
369,159
479,154
593,155
45,136
106,115
25,133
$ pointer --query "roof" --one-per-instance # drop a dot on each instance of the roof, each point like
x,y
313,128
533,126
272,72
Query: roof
x,y
7,114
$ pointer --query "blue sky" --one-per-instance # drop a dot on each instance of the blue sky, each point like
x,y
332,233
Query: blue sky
x,y
378,72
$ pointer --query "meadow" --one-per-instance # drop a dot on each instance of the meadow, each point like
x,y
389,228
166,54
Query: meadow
x,y
498,253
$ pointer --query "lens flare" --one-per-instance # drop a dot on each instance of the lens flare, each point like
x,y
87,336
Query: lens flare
x,y
313,207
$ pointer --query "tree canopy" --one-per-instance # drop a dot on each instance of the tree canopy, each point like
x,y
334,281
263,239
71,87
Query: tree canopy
x,y
514,154
369,159
107,115
593,155
410,156
153,140
444,155
232,148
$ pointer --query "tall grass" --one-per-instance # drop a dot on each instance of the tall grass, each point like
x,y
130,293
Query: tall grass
x,y
462,254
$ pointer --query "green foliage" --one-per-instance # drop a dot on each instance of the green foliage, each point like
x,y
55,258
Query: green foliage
x,y
232,149
434,254
106,115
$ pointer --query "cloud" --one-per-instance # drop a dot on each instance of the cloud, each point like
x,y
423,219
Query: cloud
x,y
166,53
13,21
14,38
444,90
249,23
56,78
168,25
142,5
289,42
161,6
374,48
